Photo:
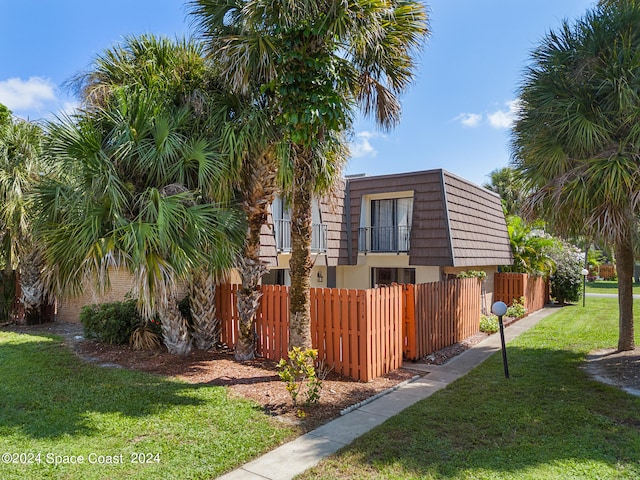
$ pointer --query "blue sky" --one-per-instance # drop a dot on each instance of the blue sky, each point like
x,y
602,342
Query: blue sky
x,y
456,116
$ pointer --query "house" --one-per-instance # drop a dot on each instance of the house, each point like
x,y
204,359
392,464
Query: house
x,y
415,227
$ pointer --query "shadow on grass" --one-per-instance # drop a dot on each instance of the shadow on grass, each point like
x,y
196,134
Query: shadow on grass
x,y
549,420
46,391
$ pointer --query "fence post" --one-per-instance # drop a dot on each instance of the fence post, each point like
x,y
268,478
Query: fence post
x,y
409,323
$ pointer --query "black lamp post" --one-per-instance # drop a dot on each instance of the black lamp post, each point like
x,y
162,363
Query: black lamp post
x,y
499,309
584,273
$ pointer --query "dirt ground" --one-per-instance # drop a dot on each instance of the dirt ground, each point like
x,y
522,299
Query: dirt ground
x,y
259,381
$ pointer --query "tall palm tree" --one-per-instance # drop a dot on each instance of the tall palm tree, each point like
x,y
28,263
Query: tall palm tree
x,y
242,129
317,61
147,166
505,182
21,168
577,141
248,139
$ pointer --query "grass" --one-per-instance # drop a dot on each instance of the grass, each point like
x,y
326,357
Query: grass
x,y
549,420
608,286
56,411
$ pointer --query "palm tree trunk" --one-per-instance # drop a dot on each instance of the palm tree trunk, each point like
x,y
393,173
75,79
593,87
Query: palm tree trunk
x,y
624,265
259,187
31,286
206,327
175,330
300,263
248,302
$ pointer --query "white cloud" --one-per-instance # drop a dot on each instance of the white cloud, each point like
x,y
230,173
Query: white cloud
x,y
469,119
361,146
31,94
504,118
69,108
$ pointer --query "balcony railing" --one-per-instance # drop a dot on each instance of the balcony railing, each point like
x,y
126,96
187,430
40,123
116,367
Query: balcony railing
x,y
395,239
282,230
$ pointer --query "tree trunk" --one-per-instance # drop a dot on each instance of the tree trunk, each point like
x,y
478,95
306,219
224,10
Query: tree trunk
x,y
175,331
300,263
258,190
624,264
31,286
206,326
251,271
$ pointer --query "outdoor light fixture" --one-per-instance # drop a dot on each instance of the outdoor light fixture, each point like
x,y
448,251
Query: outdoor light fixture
x,y
500,309
320,277
584,273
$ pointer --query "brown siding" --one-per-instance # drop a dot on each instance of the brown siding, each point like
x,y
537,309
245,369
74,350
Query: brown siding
x,y
478,229
429,236
455,222
332,214
268,251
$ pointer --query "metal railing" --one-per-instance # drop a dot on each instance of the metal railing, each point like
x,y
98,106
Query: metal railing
x,y
394,239
282,230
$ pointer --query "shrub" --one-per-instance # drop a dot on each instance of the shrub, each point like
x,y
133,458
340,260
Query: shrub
x,y
566,281
489,323
517,309
481,274
299,371
112,322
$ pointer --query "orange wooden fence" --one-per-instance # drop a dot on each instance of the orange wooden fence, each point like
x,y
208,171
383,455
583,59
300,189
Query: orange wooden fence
x,y
440,314
510,286
607,271
358,333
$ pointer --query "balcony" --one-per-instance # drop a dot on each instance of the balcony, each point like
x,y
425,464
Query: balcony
x,y
282,230
394,239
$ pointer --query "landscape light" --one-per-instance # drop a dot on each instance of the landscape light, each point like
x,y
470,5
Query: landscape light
x,y
500,309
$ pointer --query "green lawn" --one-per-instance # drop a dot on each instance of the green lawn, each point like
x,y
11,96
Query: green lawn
x,y
56,411
608,286
548,421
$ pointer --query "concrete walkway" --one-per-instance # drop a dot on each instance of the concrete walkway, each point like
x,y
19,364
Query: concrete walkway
x,y
306,451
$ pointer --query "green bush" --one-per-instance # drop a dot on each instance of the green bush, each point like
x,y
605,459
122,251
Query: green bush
x,y
299,372
517,309
481,274
111,323
489,323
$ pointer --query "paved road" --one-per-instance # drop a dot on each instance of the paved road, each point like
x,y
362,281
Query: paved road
x,y
607,295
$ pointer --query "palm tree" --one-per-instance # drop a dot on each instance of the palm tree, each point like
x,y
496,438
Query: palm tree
x,y
182,73
505,182
21,168
243,130
531,251
577,141
248,138
317,61
147,167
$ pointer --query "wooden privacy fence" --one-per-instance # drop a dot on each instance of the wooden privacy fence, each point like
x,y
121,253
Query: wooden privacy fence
x,y
440,314
358,333
363,334
510,286
607,271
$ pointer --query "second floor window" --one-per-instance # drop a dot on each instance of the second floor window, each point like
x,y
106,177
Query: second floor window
x,y
390,227
282,226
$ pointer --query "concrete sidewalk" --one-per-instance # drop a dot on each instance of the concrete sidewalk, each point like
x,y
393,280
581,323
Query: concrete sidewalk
x,y
306,451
